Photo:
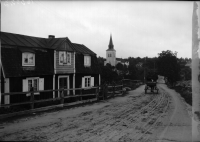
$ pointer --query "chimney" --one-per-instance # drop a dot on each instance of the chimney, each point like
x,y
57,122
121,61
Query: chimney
x,y
51,36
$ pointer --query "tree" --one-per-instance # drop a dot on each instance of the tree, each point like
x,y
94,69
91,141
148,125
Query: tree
x,y
101,60
168,66
186,73
119,66
108,74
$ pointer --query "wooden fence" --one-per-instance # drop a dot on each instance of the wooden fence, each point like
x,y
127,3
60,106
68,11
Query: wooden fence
x,y
131,83
85,95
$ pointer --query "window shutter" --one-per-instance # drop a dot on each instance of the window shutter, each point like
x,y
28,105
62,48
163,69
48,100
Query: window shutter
x,y
89,60
85,62
59,57
68,59
41,83
83,82
92,81
65,57
7,90
25,86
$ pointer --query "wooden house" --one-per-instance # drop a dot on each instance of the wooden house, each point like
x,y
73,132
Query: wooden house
x,y
25,63
64,64
45,64
87,69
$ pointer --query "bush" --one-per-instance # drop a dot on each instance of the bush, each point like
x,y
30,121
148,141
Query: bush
x,y
185,93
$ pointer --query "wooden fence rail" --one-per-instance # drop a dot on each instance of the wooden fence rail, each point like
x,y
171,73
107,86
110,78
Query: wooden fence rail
x,y
98,92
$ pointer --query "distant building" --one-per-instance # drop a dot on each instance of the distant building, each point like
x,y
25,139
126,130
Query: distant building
x,y
111,55
189,64
122,61
161,79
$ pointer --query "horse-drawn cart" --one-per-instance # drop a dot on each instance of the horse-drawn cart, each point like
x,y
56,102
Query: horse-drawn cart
x,y
151,86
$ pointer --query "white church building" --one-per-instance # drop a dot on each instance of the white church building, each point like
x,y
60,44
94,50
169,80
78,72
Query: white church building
x,y
111,55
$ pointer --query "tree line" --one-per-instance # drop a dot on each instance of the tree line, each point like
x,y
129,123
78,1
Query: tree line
x,y
167,64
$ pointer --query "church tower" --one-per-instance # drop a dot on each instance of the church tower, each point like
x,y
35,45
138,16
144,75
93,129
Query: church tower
x,y
111,53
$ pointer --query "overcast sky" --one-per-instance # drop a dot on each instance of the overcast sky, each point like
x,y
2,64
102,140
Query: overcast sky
x,y
138,29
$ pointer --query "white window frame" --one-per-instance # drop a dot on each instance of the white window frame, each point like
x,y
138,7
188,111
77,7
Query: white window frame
x,y
24,55
87,60
87,82
64,59
60,53
40,85
91,83
69,59
32,79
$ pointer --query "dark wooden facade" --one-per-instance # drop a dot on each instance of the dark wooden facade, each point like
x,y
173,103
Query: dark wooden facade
x,y
82,71
47,68
16,75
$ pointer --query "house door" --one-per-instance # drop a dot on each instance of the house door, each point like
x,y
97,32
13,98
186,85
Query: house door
x,y
64,84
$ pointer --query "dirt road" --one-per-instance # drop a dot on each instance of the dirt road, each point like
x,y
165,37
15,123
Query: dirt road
x,y
179,126
134,117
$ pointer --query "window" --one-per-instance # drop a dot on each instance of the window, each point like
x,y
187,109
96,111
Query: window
x,y
87,61
68,58
87,81
33,83
109,55
36,82
64,58
28,59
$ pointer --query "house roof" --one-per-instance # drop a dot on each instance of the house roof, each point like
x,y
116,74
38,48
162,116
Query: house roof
x,y
52,43
28,41
60,44
80,48
22,40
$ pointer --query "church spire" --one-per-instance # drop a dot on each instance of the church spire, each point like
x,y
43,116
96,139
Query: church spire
x,y
111,46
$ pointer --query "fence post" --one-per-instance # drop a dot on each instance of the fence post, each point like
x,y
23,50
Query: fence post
x,y
123,90
81,93
113,90
32,98
105,91
97,93
62,97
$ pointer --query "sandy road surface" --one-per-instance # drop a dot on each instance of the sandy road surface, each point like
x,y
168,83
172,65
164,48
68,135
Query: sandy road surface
x,y
134,117
179,123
